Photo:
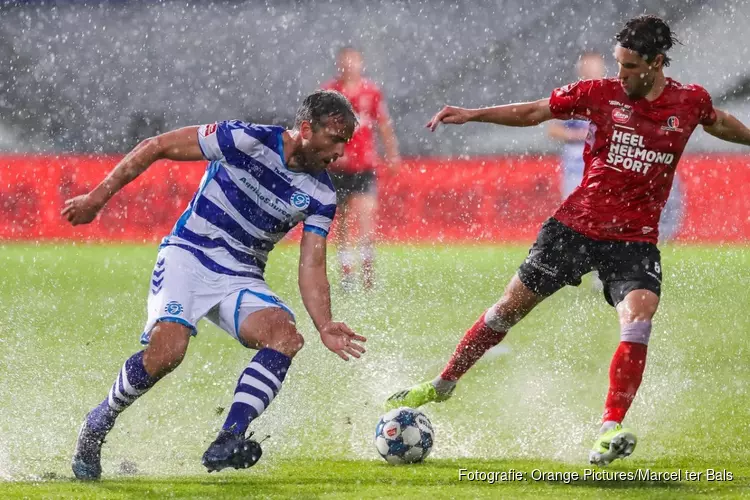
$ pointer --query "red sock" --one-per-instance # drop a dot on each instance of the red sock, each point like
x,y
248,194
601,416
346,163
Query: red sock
x,y
476,341
346,271
625,374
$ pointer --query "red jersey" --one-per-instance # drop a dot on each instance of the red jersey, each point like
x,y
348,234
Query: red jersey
x,y
630,155
360,153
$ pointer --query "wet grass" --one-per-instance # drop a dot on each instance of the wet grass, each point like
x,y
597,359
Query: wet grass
x,y
70,315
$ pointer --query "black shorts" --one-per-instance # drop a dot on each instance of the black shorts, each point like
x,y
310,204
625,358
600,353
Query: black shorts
x,y
347,184
561,256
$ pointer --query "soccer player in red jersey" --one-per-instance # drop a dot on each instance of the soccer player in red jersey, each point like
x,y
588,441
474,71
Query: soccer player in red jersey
x,y
354,175
639,123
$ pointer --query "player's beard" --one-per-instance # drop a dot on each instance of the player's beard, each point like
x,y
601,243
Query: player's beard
x,y
310,162
641,88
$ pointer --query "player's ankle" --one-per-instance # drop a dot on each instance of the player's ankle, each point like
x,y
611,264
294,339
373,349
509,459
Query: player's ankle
x,y
608,425
234,428
444,387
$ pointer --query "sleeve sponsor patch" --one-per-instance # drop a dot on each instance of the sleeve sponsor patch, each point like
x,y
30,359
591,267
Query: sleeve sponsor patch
x,y
207,130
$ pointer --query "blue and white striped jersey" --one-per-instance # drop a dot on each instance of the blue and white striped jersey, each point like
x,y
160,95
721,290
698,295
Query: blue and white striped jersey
x,y
572,153
248,200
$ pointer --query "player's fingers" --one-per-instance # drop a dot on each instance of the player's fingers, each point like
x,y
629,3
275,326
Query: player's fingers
x,y
353,352
358,338
357,347
341,354
432,125
432,120
437,119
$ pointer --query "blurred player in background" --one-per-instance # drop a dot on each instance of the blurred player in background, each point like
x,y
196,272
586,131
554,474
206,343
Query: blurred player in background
x,y
355,174
260,182
640,124
573,133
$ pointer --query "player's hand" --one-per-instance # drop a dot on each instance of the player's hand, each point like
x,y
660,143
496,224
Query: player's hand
x,y
340,339
449,114
81,209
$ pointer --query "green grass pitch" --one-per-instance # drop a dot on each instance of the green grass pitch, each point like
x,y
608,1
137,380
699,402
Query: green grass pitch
x,y
70,315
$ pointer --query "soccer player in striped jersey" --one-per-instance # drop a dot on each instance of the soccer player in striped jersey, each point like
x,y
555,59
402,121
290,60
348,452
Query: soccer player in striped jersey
x,y
260,182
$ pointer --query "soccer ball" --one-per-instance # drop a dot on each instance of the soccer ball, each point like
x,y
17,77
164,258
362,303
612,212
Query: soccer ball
x,y
404,436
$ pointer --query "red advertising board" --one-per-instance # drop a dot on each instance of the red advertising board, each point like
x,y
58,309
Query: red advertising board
x,y
490,199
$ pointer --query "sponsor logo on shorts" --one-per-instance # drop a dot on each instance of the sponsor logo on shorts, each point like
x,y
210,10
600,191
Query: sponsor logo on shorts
x,y
300,200
174,308
621,115
550,271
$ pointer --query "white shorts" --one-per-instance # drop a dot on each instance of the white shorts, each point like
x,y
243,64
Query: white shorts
x,y
182,291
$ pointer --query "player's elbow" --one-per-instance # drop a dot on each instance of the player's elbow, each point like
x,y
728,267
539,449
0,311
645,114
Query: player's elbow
x,y
312,275
534,113
153,147
539,113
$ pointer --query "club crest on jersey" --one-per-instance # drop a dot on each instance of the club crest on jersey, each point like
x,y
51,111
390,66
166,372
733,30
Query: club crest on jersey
x,y
208,129
673,124
621,115
300,200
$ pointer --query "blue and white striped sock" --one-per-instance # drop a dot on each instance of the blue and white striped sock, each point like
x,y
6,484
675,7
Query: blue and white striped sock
x,y
132,382
258,385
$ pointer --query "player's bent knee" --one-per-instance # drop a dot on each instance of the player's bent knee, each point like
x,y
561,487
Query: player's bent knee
x,y
273,328
638,305
166,349
285,338
289,343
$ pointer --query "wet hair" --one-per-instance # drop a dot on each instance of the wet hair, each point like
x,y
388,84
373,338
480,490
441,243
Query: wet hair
x,y
321,105
648,35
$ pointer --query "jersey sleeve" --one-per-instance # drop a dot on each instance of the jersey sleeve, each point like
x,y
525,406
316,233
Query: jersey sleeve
x,y
707,113
208,140
319,222
216,140
573,100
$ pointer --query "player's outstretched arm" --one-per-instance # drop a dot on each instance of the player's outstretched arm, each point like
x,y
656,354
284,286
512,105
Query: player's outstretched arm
x,y
522,114
316,295
728,128
180,145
